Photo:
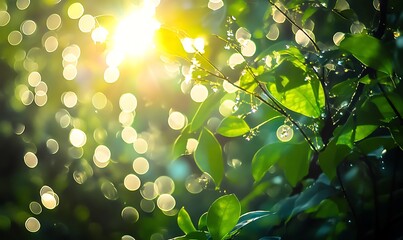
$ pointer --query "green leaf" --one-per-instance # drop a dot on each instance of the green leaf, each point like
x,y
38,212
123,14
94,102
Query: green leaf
x,y
292,158
331,157
247,81
264,158
295,161
370,51
203,112
202,223
305,99
208,156
168,42
184,221
198,235
223,215
251,217
233,127
180,143
396,130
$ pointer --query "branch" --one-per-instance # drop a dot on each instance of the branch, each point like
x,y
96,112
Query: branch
x,y
296,25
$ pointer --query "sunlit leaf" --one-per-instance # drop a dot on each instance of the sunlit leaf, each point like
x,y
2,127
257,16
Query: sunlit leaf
x,y
208,156
184,221
233,127
295,161
248,79
179,147
370,51
223,215
204,110
301,99
168,42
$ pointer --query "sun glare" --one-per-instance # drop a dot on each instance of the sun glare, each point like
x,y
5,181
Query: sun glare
x,y
134,34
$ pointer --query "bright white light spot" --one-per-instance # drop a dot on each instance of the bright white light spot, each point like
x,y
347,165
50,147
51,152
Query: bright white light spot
x,y
235,59
357,27
34,78
114,58
51,44
28,27
126,118
4,18
226,107
86,23
242,34
69,99
41,89
166,202
129,135
199,93
22,4
191,145
193,184
99,100
341,5
338,37
40,100
134,34
52,145
278,17
30,160
102,154
49,200
127,102
193,45
77,137
140,145
302,39
215,5
53,22
71,53
14,38
132,182
228,87
248,48
99,34
141,165
75,11
111,74
273,33
285,133
32,224
70,72
127,237
176,120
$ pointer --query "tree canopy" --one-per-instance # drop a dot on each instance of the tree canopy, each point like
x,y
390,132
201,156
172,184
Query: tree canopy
x,y
216,119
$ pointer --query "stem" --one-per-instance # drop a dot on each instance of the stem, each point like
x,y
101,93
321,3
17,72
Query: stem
x,y
296,25
399,116
347,198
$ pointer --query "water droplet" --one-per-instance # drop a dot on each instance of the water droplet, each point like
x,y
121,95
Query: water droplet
x,y
285,133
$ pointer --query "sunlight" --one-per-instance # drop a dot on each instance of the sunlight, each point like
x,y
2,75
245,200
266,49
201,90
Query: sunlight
x,y
134,34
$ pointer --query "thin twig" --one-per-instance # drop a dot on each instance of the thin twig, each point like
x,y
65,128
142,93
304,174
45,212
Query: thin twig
x,y
296,25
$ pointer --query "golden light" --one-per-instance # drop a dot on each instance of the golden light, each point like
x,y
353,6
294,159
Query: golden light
x,y
134,34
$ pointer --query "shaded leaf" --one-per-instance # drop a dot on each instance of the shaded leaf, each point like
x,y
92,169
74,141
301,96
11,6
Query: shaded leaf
x,y
295,162
184,221
202,223
370,51
264,158
198,235
250,217
223,215
208,156
331,157
233,127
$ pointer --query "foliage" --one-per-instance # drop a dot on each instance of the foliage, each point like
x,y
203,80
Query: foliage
x,y
294,132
